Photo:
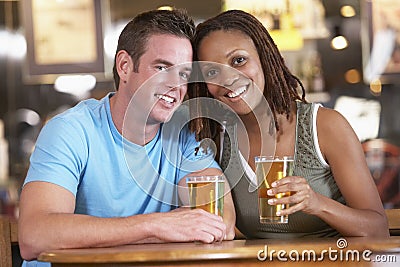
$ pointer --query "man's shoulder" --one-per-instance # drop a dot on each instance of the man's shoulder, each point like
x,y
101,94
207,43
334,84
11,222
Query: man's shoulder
x,y
84,111
86,116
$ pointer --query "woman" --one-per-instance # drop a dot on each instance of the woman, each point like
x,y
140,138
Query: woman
x,y
333,192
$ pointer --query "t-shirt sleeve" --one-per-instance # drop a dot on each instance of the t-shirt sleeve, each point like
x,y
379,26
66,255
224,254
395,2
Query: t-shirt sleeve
x,y
59,155
195,156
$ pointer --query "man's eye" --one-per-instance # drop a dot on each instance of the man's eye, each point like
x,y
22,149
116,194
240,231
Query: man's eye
x,y
161,68
238,60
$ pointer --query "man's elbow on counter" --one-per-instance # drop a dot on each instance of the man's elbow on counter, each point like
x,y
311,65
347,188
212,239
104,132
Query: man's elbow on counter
x,y
27,246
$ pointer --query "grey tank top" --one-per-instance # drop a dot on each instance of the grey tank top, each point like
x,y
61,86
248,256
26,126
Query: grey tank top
x,y
307,165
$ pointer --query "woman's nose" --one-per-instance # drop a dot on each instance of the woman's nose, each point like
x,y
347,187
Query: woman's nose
x,y
229,77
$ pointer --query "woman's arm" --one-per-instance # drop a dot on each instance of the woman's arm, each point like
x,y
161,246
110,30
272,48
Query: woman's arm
x,y
363,214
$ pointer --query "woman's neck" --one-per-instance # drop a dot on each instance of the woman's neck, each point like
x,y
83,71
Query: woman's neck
x,y
256,131
262,137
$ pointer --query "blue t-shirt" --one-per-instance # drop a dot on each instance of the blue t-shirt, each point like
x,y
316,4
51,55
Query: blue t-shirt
x,y
82,151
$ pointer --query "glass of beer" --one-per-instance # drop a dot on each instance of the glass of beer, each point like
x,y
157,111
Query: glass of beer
x,y
207,193
268,170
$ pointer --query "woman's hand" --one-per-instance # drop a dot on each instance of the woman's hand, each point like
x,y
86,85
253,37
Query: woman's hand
x,y
302,197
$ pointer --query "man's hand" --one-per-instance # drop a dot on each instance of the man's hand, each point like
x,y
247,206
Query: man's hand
x,y
184,225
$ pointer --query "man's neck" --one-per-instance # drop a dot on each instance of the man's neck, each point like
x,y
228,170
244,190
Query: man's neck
x,y
137,131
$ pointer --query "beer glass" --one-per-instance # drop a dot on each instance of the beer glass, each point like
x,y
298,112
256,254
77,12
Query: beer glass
x,y
268,170
207,193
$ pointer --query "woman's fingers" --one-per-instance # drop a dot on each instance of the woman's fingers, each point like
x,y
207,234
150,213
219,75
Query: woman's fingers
x,y
301,194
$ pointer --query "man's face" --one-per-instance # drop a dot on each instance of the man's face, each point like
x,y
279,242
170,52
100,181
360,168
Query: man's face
x,y
160,84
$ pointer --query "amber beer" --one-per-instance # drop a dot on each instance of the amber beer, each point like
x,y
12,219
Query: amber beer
x,y
207,193
268,170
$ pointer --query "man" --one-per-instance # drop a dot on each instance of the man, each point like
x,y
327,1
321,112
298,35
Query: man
x,y
98,171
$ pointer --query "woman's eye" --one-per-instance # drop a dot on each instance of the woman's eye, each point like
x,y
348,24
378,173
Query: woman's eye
x,y
211,73
185,75
238,60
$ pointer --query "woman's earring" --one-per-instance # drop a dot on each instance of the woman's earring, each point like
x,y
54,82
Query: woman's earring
x,y
271,127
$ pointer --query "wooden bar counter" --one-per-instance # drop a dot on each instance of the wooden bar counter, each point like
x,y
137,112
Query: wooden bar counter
x,y
261,252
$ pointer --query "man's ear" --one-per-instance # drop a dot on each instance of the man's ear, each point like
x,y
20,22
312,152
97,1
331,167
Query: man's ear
x,y
124,64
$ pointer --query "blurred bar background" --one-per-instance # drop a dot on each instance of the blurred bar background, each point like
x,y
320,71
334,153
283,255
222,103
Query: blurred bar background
x,y
54,53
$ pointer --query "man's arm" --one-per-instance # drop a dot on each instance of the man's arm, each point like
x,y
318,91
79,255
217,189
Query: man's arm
x,y
47,221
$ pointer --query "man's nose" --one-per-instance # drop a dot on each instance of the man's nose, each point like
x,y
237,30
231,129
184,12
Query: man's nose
x,y
174,78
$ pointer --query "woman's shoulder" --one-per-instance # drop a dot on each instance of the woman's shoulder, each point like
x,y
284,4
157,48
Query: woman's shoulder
x,y
334,130
330,118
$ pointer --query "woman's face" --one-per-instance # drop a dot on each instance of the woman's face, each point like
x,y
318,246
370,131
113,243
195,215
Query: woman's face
x,y
238,79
